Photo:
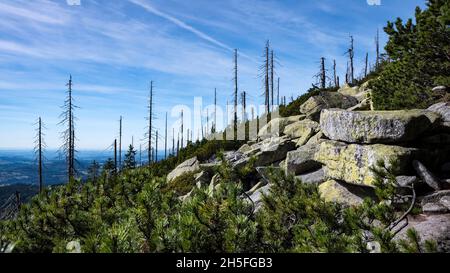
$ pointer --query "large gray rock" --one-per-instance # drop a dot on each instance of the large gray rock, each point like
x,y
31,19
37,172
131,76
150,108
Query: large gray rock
x,y
301,130
343,193
430,227
375,126
443,109
190,165
265,153
427,176
276,126
438,202
314,177
314,105
257,196
301,160
353,162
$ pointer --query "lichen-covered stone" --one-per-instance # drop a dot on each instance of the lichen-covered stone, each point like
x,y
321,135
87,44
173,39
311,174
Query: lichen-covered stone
x,y
375,126
303,130
343,193
276,126
190,165
301,160
352,162
316,139
314,105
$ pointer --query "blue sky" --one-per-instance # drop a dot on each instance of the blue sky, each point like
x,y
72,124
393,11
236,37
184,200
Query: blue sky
x,y
114,48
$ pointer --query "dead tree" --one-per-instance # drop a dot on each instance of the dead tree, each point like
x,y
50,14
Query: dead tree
x,y
377,47
235,94
336,84
173,141
165,140
322,75
350,69
39,146
213,129
266,78
278,91
156,147
182,125
115,155
150,119
271,77
120,143
366,63
244,105
68,135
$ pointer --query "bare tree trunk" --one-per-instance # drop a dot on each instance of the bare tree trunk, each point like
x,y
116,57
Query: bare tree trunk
x,y
150,124
266,81
39,148
120,143
215,110
366,63
351,54
377,45
182,132
271,77
156,147
235,94
115,155
278,91
322,73
173,141
335,74
165,140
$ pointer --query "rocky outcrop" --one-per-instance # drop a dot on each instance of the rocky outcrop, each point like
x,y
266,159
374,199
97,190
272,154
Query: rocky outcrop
x,y
190,165
302,131
352,162
276,126
257,196
343,193
438,202
314,105
313,177
375,126
427,176
264,153
430,227
443,109
301,160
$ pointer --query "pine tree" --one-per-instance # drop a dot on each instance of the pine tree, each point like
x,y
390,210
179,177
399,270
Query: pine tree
x,y
130,158
93,171
419,60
